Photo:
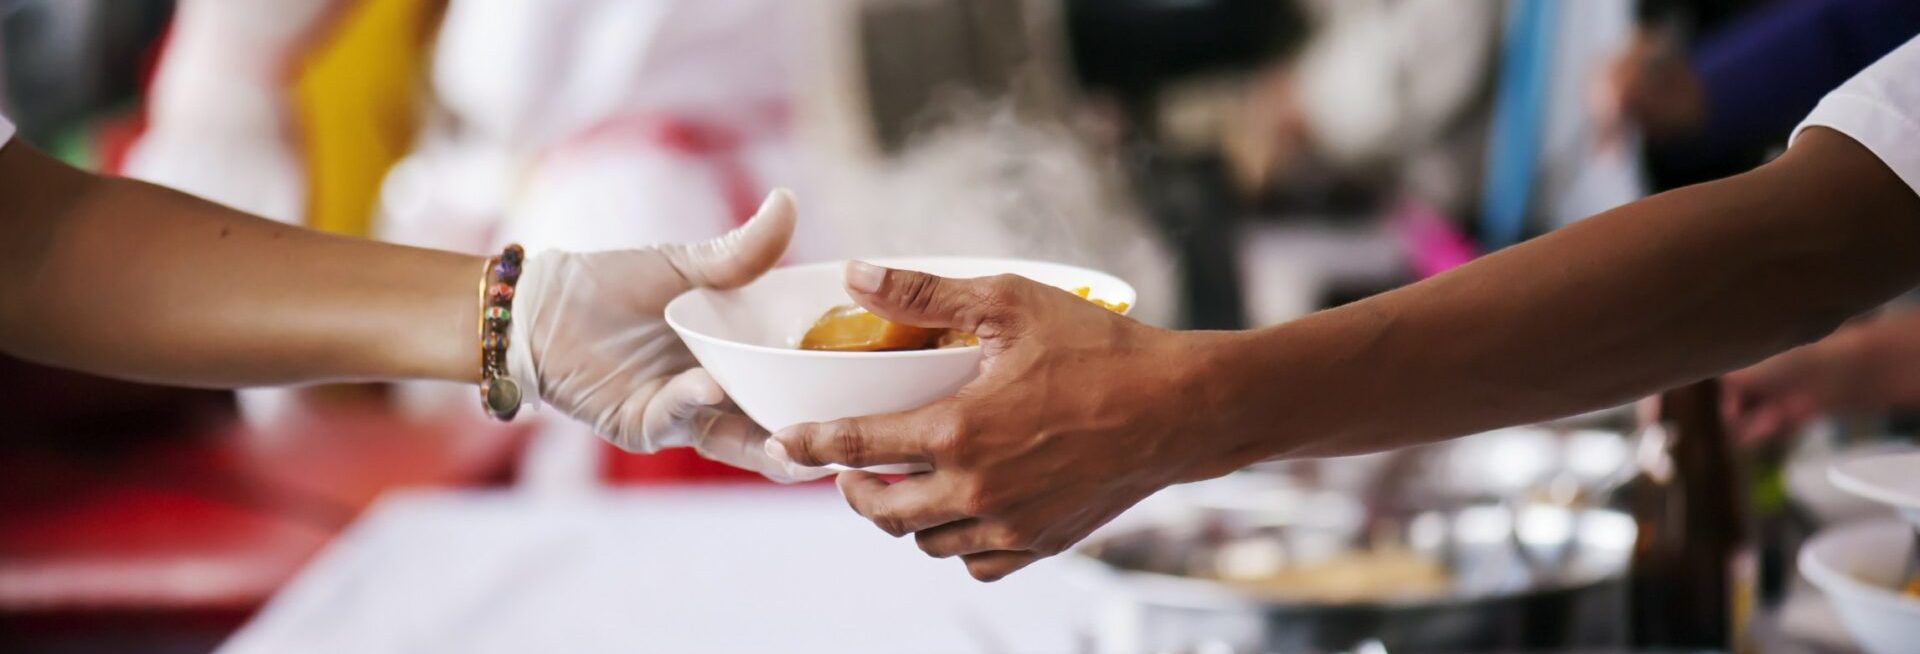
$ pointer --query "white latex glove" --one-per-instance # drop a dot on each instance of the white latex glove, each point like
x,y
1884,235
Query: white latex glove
x,y
588,337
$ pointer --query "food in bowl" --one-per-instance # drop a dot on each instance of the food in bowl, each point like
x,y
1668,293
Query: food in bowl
x,y
746,337
849,328
1913,588
1357,576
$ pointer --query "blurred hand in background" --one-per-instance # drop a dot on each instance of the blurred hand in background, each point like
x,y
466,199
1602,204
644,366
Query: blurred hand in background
x,y
1872,365
1651,86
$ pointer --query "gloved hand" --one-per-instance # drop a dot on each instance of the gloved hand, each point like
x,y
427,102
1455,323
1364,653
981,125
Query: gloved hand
x,y
589,338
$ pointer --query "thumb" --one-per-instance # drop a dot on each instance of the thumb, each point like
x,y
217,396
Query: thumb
x,y
735,440
742,255
923,300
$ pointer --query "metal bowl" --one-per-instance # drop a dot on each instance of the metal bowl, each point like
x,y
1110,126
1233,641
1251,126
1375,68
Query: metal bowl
x,y
1523,567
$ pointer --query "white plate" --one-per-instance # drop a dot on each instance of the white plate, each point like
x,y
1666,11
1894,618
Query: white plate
x,y
1891,479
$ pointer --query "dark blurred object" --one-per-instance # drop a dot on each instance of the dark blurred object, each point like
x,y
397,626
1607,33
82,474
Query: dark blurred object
x,y
1134,48
143,518
1694,16
1779,525
171,543
1192,202
1692,578
65,61
1133,51
915,52
78,414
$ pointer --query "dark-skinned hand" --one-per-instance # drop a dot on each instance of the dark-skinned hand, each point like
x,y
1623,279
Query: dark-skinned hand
x,y
1078,413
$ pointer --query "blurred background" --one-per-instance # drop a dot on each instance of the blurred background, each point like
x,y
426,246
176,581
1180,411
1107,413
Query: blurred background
x,y
1240,162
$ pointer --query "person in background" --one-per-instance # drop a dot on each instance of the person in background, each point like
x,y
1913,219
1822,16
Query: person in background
x,y
464,125
125,279
1382,88
1404,96
1713,84
1717,103
1077,413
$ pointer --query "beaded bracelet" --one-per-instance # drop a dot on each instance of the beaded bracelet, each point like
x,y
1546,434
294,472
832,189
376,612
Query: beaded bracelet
x,y
499,394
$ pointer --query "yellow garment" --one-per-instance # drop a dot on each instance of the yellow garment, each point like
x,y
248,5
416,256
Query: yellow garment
x,y
357,95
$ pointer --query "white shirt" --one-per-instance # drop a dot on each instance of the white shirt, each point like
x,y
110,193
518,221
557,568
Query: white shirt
x,y
1880,108
6,130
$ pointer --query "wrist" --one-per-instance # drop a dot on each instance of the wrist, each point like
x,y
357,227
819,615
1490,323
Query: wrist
x,y
1305,388
445,346
1218,375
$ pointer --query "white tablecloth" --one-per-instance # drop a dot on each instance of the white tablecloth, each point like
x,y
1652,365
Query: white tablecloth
x,y
704,569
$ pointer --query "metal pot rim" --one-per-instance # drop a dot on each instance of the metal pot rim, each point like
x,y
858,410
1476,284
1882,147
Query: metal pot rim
x,y
1163,589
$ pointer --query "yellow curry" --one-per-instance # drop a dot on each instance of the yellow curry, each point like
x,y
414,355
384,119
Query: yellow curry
x,y
849,328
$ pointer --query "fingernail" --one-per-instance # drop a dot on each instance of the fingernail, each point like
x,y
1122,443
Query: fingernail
x,y
768,207
772,197
865,277
778,453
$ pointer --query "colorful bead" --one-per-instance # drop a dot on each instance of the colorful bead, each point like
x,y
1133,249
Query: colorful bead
x,y
506,271
499,395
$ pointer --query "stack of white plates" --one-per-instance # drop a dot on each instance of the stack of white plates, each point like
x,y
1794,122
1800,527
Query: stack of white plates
x,y
1860,565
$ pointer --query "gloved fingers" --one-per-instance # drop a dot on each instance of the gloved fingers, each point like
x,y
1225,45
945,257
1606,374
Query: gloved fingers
x,y
666,416
742,255
735,440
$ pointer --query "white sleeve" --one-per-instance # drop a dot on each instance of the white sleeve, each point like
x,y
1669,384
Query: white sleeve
x,y
1880,108
6,129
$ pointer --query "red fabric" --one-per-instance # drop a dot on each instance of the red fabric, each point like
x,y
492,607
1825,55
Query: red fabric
x,y
718,145
115,138
77,539
721,146
668,466
216,520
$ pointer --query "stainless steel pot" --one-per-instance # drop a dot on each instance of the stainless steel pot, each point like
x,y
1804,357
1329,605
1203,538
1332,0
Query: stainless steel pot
x,y
1527,567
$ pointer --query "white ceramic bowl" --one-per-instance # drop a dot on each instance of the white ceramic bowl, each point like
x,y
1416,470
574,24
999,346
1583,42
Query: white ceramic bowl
x,y
1857,566
746,338
1810,483
1891,478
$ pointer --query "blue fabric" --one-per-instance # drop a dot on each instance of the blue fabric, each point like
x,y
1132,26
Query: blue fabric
x,y
1520,98
1766,71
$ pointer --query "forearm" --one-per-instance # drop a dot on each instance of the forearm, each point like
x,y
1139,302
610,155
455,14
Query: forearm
x,y
127,279
1658,293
